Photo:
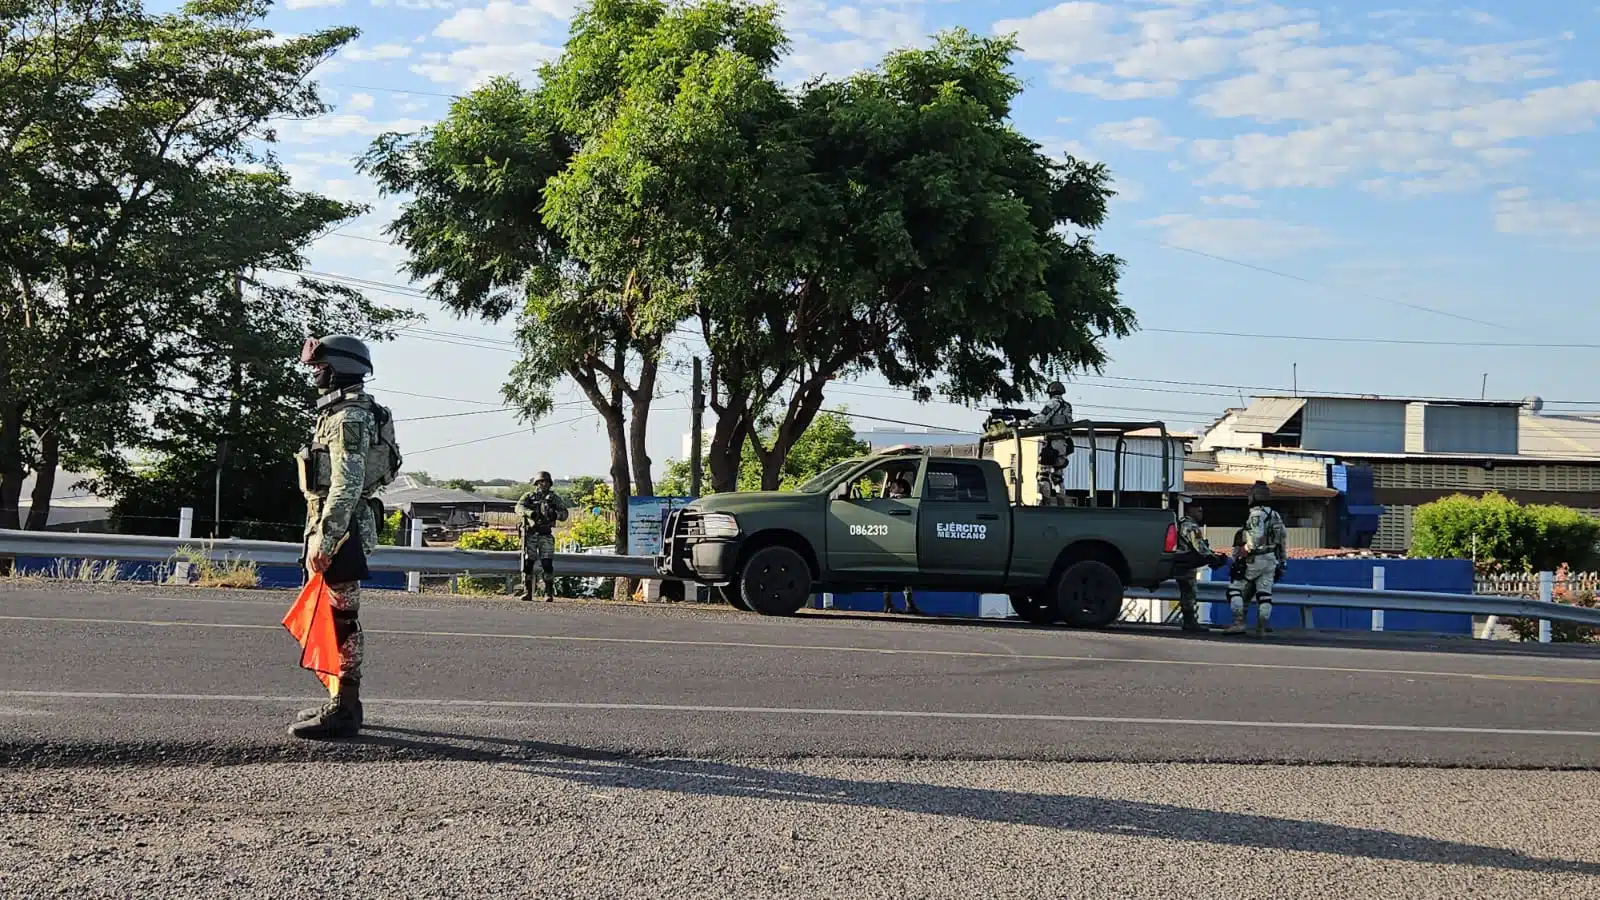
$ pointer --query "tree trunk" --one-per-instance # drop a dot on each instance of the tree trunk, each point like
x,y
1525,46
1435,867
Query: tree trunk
x,y
639,427
12,471
622,489
45,483
726,452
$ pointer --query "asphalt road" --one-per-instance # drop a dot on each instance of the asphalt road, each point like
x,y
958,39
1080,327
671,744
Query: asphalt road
x,y
120,674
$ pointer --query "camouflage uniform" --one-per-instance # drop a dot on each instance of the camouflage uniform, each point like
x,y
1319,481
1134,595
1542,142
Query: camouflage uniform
x,y
346,430
1192,538
353,455
1055,448
1264,555
539,509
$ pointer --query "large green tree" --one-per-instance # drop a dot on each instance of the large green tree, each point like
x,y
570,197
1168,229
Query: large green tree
x,y
134,190
894,221
500,193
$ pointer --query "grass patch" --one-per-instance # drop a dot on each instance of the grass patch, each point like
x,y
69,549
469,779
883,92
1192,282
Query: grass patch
x,y
209,573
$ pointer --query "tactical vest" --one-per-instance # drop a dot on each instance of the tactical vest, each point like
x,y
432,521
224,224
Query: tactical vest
x,y
383,460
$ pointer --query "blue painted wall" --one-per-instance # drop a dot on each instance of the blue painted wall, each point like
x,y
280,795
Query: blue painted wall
x,y
1453,576
268,576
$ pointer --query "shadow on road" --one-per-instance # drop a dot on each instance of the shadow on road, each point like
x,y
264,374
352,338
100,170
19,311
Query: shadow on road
x,y
1065,812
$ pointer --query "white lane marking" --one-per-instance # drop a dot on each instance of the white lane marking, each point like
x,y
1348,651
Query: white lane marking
x,y
805,711
814,648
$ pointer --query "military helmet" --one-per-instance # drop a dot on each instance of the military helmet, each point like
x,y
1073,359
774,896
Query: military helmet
x,y
342,353
1056,389
544,477
1260,494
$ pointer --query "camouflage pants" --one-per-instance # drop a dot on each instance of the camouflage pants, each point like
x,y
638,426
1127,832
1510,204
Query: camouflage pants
x,y
537,550
1186,595
1051,492
345,598
1253,582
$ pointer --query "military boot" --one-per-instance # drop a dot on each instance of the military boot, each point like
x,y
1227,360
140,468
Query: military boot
x,y
340,717
1191,621
1236,626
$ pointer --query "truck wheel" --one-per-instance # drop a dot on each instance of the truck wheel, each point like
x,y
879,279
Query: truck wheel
x,y
1032,609
730,594
1089,594
775,581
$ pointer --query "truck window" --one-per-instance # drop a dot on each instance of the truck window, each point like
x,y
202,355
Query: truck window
x,y
956,483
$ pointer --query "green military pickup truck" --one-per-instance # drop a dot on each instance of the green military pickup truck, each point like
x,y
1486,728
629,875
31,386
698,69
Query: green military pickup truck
x,y
767,552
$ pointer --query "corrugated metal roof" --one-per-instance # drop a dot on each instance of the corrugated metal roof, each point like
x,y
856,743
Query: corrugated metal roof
x,y
1267,415
1437,401
1558,436
1202,483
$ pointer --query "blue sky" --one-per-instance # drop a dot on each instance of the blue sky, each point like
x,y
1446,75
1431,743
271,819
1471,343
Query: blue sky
x,y
1340,179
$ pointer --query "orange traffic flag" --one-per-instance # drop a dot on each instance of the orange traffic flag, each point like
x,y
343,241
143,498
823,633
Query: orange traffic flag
x,y
310,621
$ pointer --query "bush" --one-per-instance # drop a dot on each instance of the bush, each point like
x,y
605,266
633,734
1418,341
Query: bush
x,y
1562,632
486,539
1502,535
389,530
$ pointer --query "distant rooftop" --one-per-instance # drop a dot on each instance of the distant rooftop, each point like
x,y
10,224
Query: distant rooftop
x,y
1439,401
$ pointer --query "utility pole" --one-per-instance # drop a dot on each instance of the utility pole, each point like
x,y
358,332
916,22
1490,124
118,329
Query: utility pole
x,y
697,403
1484,391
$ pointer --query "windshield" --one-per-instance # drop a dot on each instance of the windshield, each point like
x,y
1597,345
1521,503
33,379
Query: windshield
x,y
828,476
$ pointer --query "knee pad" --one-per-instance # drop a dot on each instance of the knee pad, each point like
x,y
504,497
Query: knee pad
x,y
345,624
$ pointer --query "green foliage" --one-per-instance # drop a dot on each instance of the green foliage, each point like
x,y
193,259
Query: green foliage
x,y
389,531
488,539
485,539
829,440
420,477
132,193
590,530
1503,535
461,484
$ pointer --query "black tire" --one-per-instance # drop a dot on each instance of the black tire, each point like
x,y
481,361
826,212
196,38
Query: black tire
x,y
1030,608
775,581
731,595
1089,594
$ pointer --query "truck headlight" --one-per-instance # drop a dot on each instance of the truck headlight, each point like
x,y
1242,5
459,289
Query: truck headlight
x,y
719,525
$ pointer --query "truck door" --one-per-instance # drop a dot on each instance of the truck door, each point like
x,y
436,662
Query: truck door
x,y
870,533
964,535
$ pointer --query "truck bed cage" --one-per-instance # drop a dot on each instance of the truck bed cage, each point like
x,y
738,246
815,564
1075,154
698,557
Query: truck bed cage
x,y
1004,427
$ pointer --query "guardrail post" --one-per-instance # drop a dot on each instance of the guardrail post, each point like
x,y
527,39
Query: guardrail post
x,y
1378,577
414,579
180,571
1547,589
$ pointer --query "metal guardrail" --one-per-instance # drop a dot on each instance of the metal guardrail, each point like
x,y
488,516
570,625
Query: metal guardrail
x,y
144,548
1306,595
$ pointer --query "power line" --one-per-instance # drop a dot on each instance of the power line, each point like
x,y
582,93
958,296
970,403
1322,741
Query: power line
x,y
1513,345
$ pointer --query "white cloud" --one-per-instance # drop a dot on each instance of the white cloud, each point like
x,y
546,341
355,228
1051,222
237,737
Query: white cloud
x,y
1143,133
356,53
1243,201
838,41
1239,238
1406,115
345,125
1518,211
360,103
500,38
311,4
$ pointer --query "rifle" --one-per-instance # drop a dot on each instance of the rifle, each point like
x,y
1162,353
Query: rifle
x,y
1001,417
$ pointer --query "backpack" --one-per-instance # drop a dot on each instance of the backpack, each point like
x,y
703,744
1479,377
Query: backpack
x,y
383,457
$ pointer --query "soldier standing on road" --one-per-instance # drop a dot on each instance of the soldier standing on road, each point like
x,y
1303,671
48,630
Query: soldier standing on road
x,y
353,455
1054,449
539,510
1265,555
1192,539
898,488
